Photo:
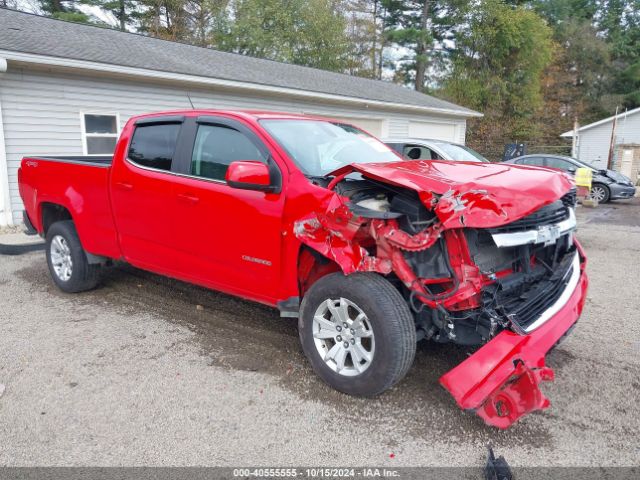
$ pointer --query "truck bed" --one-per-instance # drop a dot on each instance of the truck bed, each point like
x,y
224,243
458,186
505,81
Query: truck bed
x,y
80,184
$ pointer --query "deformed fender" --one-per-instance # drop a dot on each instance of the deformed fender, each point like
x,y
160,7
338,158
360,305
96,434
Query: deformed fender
x,y
333,234
337,234
500,382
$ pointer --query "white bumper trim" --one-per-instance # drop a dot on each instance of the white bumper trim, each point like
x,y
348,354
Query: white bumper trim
x,y
563,299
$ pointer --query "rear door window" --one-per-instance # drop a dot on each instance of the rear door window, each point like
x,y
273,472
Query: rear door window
x,y
154,146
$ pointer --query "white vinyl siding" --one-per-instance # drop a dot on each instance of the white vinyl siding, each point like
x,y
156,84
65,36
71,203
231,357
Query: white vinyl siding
x,y
41,111
433,130
594,142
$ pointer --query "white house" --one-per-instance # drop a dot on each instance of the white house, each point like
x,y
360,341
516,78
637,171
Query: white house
x,y
594,140
67,89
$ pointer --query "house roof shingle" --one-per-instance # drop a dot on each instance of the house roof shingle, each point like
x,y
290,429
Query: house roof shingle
x,y
32,34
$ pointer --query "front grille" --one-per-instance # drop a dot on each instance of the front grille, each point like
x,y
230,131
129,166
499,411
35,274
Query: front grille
x,y
548,215
524,305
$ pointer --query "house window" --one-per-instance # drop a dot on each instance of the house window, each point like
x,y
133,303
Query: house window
x,y
99,133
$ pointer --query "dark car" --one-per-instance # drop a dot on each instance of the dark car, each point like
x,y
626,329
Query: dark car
x,y
606,184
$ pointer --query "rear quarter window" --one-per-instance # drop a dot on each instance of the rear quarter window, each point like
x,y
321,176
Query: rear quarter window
x,y
154,146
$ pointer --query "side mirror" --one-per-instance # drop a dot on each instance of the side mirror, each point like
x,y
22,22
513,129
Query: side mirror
x,y
250,175
571,170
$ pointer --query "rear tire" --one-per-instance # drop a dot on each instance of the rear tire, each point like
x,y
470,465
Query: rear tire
x,y
67,260
376,348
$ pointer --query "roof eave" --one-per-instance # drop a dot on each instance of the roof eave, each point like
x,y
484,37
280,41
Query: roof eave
x,y
51,61
602,122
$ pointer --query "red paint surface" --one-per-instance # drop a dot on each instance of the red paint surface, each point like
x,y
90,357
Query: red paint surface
x,y
484,194
249,171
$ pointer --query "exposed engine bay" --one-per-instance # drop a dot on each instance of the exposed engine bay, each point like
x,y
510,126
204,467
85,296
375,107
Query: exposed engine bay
x,y
463,285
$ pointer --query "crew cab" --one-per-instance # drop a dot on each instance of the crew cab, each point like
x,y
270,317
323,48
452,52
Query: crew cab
x,y
370,252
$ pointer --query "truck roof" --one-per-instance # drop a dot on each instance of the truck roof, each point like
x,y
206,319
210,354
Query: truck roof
x,y
248,114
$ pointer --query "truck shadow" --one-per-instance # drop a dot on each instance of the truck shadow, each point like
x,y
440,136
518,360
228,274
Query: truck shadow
x,y
240,335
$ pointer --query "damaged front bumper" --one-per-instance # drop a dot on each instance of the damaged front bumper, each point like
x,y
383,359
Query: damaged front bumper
x,y
500,382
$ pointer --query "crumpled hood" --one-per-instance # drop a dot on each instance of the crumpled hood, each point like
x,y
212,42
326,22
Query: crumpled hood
x,y
470,194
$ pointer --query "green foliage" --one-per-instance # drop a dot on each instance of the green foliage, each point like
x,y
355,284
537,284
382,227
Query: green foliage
x,y
426,30
498,66
556,12
65,10
165,19
303,32
620,24
627,82
123,11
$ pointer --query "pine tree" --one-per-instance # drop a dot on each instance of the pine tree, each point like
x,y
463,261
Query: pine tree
x,y
426,29
125,12
65,10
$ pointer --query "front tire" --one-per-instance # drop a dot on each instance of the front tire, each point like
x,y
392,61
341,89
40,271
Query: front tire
x,y
357,332
600,192
67,260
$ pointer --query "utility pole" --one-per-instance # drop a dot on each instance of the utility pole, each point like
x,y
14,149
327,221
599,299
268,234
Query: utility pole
x,y
613,141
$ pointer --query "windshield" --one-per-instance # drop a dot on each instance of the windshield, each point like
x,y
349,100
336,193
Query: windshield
x,y
584,165
460,152
319,147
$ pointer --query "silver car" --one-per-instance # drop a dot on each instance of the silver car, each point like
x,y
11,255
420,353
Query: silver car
x,y
421,149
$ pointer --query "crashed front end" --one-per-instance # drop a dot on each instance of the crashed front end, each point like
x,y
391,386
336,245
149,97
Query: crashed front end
x,y
476,268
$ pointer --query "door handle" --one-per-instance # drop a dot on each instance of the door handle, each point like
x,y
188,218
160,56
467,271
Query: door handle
x,y
188,198
124,186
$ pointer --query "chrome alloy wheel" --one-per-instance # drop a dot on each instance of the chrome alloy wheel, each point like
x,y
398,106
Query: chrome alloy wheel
x,y
343,337
598,193
61,258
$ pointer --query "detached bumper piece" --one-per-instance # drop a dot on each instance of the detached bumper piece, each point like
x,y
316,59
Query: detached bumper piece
x,y
500,382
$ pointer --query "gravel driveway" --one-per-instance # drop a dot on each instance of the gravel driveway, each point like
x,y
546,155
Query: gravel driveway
x,y
150,371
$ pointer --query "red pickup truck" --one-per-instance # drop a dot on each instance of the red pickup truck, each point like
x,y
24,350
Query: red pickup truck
x,y
315,217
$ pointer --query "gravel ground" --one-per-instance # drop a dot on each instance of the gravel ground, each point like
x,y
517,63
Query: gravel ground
x,y
150,371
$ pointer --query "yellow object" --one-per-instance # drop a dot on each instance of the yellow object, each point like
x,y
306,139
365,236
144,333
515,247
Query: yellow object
x,y
584,177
